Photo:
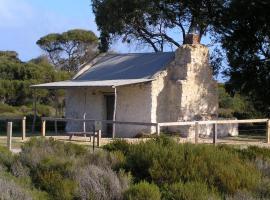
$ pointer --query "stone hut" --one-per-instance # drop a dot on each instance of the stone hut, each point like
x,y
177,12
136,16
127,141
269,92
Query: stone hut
x,y
142,87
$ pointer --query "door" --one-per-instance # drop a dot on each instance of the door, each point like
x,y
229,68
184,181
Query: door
x,y
109,113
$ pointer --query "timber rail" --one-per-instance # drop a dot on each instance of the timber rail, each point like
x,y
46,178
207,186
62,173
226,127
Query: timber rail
x,y
158,126
14,119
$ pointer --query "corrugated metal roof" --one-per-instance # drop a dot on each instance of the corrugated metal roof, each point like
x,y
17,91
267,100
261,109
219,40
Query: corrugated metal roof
x,y
102,83
116,69
127,66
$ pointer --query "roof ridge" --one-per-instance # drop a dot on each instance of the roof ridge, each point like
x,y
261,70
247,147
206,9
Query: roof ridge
x,y
140,53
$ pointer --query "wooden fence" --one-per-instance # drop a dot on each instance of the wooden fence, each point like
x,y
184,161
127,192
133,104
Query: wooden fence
x,y
215,123
21,120
158,126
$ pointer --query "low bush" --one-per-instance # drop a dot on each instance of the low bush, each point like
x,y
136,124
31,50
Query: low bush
x,y
68,171
163,161
189,191
98,183
6,157
118,145
9,190
143,191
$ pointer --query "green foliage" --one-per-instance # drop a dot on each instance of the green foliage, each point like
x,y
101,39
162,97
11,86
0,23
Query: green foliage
x,y
150,22
165,162
68,171
70,49
143,191
235,106
16,78
117,145
160,169
189,191
6,157
244,37
10,190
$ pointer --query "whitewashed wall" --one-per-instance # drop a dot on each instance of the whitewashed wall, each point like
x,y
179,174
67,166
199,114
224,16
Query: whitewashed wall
x,y
134,104
76,107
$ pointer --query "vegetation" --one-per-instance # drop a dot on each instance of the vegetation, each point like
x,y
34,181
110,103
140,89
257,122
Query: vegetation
x,y
239,31
70,49
150,22
235,106
216,172
157,169
244,36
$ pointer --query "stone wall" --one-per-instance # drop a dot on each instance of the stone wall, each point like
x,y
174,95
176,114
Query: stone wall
x,y
93,104
186,90
133,105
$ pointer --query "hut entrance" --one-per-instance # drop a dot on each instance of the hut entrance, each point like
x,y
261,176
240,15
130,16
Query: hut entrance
x,y
109,112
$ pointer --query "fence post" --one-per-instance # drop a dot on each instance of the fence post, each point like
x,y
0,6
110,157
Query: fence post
x,y
158,129
215,134
55,127
9,135
196,132
43,128
94,136
98,138
23,128
268,131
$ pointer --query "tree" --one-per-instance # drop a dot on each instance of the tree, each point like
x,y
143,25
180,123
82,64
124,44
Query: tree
x,y
152,21
17,76
70,49
244,29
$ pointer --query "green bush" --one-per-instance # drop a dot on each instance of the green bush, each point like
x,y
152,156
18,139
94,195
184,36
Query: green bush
x,y
68,171
9,190
6,157
189,191
163,161
117,145
143,191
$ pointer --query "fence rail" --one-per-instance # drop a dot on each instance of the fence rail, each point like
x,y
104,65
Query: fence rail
x,y
196,124
158,126
17,119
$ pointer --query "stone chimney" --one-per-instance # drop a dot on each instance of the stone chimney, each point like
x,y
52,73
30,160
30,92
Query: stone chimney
x,y
193,36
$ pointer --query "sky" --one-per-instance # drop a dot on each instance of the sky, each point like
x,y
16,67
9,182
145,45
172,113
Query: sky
x,y
23,22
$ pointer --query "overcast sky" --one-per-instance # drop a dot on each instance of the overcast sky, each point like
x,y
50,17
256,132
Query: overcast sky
x,y
23,22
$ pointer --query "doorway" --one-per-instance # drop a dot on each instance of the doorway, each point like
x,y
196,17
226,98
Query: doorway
x,y
109,113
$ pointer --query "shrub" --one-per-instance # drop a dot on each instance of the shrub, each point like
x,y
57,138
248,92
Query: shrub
x,y
68,171
51,165
55,184
143,191
189,191
18,170
98,183
164,161
241,195
118,145
6,157
254,152
9,190
263,189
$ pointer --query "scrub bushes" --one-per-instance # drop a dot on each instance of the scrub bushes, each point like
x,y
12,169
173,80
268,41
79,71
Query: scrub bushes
x,y
189,191
9,190
143,191
156,169
165,162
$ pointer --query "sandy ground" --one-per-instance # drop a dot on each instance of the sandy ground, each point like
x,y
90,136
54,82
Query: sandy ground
x,y
242,141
